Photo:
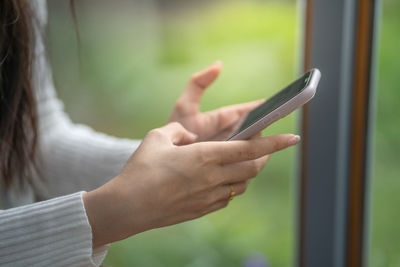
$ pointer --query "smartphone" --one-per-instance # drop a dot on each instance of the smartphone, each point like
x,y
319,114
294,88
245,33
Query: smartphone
x,y
280,105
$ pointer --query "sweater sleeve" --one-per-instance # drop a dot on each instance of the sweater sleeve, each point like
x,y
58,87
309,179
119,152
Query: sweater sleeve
x,y
74,157
55,232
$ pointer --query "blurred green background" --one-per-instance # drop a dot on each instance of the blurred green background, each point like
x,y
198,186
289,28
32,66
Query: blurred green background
x,y
134,60
385,190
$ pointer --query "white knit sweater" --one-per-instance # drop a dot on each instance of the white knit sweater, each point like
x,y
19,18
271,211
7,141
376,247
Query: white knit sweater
x,y
56,232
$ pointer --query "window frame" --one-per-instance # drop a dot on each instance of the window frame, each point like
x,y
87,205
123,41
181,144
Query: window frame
x,y
339,38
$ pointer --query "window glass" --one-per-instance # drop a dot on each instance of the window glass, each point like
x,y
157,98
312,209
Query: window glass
x,y
386,183
133,61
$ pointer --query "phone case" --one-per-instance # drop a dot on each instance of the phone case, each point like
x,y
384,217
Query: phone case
x,y
285,109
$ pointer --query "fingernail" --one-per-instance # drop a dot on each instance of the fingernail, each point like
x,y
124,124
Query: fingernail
x,y
217,62
294,140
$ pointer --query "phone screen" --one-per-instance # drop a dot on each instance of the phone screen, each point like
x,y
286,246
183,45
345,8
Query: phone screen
x,y
274,102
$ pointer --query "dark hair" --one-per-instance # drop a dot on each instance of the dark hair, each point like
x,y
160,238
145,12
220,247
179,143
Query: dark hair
x,y
18,118
19,159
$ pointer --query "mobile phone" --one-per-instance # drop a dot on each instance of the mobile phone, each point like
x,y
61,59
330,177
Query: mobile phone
x,y
280,105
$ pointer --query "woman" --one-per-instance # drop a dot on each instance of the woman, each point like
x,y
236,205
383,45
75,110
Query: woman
x,y
99,189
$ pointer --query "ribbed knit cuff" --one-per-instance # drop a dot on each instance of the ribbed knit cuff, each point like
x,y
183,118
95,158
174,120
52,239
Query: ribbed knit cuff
x,y
55,232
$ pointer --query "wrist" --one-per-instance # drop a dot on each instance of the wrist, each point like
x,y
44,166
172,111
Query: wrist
x,y
113,213
102,212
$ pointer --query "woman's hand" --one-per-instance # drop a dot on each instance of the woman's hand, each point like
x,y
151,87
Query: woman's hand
x,y
213,125
170,179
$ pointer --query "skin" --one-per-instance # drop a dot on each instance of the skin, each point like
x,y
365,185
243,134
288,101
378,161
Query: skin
x,y
179,172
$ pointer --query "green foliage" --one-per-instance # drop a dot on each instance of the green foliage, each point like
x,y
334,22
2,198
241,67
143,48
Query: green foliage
x,y
386,170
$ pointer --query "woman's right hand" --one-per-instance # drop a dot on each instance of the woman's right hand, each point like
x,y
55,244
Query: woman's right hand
x,y
171,179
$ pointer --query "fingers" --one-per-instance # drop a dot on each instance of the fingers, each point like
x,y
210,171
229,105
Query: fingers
x,y
221,196
200,81
257,135
223,117
223,192
227,132
216,206
241,171
238,109
243,150
175,133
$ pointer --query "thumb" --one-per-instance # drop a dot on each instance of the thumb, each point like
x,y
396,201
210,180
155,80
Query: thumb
x,y
177,134
199,82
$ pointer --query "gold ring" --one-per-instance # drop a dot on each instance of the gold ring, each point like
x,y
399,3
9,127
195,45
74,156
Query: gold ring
x,y
232,193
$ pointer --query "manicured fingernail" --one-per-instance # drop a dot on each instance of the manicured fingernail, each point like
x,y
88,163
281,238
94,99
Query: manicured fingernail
x,y
294,140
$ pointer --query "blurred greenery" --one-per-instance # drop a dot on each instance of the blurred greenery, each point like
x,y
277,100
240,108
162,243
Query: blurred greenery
x,y
385,226
134,60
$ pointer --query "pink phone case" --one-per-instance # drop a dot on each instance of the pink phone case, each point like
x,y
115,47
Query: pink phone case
x,y
285,109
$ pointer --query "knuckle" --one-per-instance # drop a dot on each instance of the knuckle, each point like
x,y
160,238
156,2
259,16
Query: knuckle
x,y
252,169
203,155
193,78
275,144
211,180
155,133
176,124
180,105
255,168
208,180
252,152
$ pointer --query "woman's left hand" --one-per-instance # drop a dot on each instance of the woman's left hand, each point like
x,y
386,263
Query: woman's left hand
x,y
218,124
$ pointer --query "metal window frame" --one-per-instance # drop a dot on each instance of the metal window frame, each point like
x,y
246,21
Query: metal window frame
x,y
340,39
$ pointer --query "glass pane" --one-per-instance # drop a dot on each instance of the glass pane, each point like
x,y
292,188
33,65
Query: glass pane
x,y
386,182
135,59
